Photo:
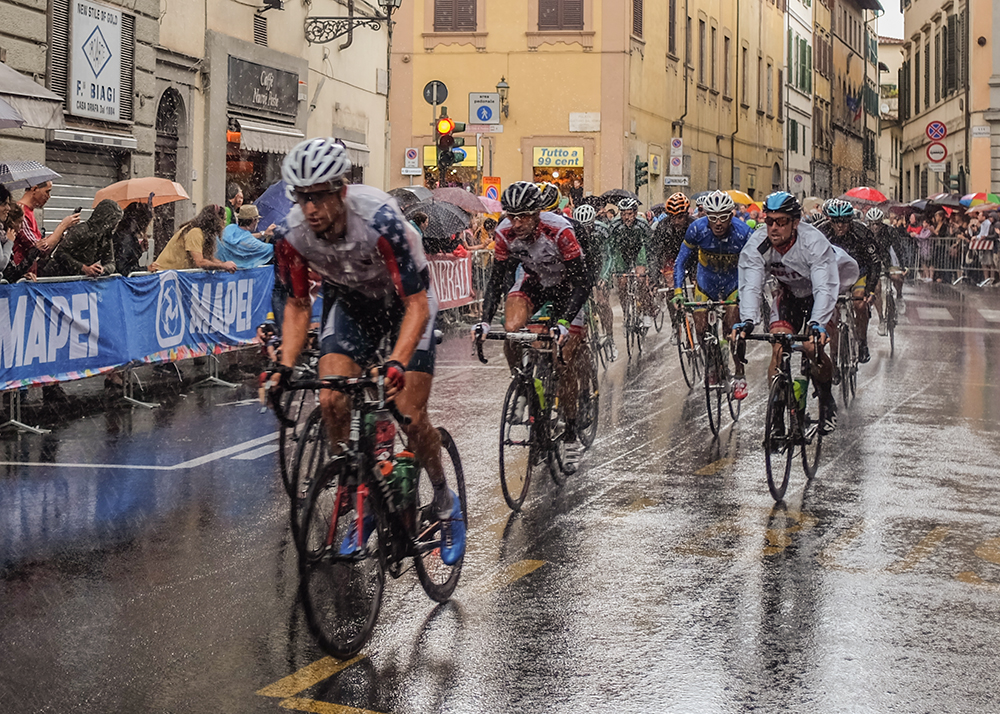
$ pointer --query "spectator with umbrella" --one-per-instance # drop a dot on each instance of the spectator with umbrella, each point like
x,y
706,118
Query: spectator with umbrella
x,y
129,239
444,220
88,247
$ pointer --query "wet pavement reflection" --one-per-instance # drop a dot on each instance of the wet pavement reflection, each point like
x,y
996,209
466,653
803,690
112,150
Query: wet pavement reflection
x,y
147,564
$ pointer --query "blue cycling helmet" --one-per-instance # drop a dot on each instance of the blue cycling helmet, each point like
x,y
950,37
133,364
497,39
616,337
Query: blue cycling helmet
x,y
783,202
838,208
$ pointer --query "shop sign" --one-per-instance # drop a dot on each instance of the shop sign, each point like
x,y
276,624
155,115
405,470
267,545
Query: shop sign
x,y
568,156
255,86
96,61
471,156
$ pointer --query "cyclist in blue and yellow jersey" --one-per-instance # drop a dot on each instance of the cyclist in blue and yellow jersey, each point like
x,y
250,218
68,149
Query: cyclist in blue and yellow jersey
x,y
716,241
840,228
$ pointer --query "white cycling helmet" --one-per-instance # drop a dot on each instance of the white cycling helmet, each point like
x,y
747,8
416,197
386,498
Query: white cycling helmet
x,y
315,161
718,202
874,215
585,214
628,204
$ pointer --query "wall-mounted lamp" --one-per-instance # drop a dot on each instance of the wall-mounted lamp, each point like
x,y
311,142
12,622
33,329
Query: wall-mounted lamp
x,y
503,89
327,29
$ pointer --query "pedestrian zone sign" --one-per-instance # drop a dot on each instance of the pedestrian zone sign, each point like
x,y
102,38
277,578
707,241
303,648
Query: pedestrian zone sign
x,y
484,108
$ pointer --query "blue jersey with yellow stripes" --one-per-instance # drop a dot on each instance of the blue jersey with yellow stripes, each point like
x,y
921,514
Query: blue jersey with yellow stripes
x,y
718,258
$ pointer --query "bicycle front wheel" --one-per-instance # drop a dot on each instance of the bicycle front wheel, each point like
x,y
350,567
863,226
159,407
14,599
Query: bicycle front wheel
x,y
844,362
890,318
311,453
661,310
811,438
342,576
587,409
713,387
686,349
778,447
517,443
437,578
296,407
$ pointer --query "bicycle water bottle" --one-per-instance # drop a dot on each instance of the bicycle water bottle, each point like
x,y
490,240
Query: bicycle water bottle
x,y
385,435
403,479
801,388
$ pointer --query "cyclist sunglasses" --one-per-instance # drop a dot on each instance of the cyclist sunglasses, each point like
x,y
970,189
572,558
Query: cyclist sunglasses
x,y
719,217
780,222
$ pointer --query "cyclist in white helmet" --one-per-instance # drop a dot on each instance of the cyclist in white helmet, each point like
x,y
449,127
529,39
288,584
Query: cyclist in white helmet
x,y
630,234
597,238
887,240
376,283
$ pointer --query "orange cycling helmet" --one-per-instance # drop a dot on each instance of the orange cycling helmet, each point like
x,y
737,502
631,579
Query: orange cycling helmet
x,y
677,204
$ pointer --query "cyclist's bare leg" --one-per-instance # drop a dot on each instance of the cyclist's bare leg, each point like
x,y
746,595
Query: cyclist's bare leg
x,y
700,325
730,318
336,406
877,293
516,312
424,439
861,314
602,302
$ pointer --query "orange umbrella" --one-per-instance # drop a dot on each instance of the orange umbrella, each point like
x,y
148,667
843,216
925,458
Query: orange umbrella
x,y
138,189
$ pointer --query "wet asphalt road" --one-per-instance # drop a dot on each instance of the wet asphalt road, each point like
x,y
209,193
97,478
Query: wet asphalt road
x,y
146,564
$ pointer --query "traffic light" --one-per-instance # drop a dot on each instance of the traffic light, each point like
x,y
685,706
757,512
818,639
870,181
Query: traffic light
x,y
641,173
448,152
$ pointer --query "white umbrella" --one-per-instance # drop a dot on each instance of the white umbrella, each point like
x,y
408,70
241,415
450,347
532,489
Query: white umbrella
x,y
10,118
22,174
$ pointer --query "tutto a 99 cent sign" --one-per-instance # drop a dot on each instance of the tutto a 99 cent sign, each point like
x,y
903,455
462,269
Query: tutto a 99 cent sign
x,y
268,89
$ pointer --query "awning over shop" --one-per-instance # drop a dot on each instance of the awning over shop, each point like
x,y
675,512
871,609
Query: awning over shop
x,y
272,138
357,152
40,107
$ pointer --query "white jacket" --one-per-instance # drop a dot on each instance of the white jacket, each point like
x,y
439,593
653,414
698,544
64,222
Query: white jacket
x,y
813,266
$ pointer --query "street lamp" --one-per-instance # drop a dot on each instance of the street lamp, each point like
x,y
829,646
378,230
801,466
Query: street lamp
x,y
326,29
503,89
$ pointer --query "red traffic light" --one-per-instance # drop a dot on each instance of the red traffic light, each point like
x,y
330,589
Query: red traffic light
x,y
445,125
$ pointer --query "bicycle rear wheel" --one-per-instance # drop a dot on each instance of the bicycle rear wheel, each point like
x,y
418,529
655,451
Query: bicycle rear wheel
x,y
517,443
311,453
437,578
713,388
628,327
812,439
890,318
778,448
660,306
341,593
844,362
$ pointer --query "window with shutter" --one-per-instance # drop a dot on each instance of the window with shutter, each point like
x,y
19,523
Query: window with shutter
x,y
938,41
59,48
128,67
560,15
927,72
260,30
672,28
454,15
951,56
637,18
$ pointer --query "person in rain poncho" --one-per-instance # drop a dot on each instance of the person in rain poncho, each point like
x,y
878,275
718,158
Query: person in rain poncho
x,y
239,244
87,248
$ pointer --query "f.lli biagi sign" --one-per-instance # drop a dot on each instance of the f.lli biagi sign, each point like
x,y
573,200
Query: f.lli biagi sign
x,y
95,61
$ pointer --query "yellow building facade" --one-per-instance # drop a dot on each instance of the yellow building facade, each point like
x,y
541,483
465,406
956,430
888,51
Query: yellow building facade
x,y
594,86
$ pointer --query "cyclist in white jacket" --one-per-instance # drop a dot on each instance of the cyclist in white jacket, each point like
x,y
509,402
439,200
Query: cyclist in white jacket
x,y
810,273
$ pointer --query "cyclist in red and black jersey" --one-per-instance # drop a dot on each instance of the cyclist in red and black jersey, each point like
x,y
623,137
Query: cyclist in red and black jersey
x,y
555,271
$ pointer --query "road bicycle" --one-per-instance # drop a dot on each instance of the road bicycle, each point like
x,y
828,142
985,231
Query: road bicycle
x,y
601,344
629,285
847,348
792,419
890,307
531,424
718,376
384,494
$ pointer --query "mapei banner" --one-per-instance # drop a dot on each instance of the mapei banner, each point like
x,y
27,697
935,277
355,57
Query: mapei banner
x,y
70,330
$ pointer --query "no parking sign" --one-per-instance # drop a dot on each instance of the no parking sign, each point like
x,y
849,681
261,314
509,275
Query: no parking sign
x,y
491,187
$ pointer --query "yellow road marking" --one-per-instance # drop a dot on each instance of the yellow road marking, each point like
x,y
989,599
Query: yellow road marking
x,y
828,557
308,676
640,504
516,571
714,467
920,551
970,578
311,705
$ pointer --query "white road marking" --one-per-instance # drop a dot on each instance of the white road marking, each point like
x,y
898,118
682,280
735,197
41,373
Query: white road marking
x,y
990,315
934,313
257,453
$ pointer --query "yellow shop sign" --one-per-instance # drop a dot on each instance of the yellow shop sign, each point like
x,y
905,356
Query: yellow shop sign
x,y
568,156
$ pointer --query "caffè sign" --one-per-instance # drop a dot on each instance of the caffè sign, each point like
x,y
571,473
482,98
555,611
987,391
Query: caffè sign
x,y
255,86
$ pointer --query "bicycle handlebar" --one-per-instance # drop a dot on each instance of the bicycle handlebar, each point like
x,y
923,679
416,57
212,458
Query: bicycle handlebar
x,y
774,338
522,337
710,303
348,385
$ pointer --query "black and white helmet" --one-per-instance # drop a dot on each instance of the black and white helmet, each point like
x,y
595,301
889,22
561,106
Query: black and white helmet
x,y
874,215
315,161
718,202
521,197
585,214
628,204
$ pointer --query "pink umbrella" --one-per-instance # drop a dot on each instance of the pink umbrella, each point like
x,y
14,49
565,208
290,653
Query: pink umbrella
x,y
492,205
461,198
866,193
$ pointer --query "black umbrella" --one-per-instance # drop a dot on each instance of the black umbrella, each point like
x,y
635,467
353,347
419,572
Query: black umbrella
x,y
952,200
443,219
408,195
919,205
617,194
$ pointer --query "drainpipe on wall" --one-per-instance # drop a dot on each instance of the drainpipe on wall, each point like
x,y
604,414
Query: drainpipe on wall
x,y
687,51
739,99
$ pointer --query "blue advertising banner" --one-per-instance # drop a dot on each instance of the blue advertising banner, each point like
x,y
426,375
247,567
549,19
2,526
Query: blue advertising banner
x,y
71,330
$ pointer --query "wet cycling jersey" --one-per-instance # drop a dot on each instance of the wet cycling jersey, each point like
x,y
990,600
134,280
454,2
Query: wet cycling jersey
x,y
860,244
717,256
379,258
811,266
665,243
887,240
628,244
543,254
